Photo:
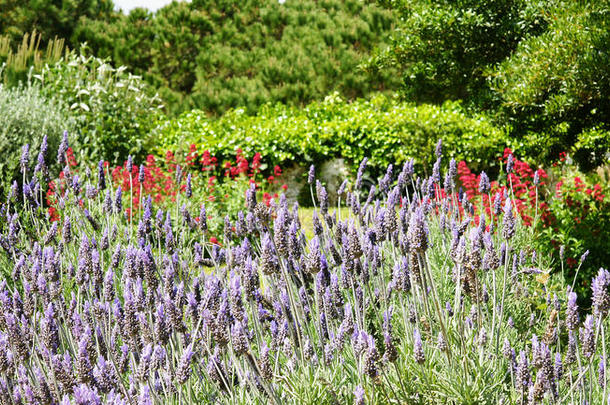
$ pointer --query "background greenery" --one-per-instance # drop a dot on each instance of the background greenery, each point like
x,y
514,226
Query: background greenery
x,y
214,55
381,129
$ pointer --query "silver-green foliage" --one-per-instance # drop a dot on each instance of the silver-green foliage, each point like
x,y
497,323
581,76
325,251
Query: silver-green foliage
x,y
25,117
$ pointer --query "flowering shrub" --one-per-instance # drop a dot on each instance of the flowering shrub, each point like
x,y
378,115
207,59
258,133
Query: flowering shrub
x,y
195,176
577,223
522,185
574,218
405,299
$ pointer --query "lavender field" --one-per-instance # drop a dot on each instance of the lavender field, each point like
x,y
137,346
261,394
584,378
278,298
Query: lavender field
x,y
404,297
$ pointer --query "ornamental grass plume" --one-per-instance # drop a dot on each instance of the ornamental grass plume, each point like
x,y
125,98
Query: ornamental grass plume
x,y
101,304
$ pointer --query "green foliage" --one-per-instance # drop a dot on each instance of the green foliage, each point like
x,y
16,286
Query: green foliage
x,y
27,115
215,55
578,218
442,48
58,18
557,83
114,109
381,129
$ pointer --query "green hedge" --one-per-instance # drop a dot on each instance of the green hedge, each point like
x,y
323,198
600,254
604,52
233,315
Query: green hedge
x,y
384,130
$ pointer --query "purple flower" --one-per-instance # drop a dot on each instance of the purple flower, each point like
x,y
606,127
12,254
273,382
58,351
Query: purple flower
x,y
436,171
312,174
189,190
536,178
523,373
587,337
508,222
25,157
129,165
584,257
418,350
361,169
118,201
439,148
601,299
183,372
359,395
417,234
484,185
371,358
572,311
510,162
342,188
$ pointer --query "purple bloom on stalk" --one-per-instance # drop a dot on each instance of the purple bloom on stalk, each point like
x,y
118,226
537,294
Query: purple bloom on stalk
x,y
436,171
141,174
178,175
587,337
118,201
584,257
129,165
63,148
189,190
25,157
572,311
342,188
601,299
84,395
312,174
361,169
183,372
523,372
359,395
203,219
562,251
601,371
144,398
418,350
510,162
417,234
44,145
439,148
558,367
371,358
484,185
508,222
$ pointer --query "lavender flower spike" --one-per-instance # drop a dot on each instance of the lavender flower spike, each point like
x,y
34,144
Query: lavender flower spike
x,y
484,185
359,396
418,350
601,299
312,174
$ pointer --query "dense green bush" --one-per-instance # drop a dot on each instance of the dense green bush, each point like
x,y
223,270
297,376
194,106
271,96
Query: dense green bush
x,y
557,83
50,18
114,109
443,48
25,117
381,129
214,55
576,222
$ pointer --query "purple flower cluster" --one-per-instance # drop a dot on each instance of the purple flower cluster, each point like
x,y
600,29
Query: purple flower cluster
x,y
102,310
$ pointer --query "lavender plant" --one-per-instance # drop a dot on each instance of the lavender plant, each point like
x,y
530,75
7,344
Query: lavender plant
x,y
409,298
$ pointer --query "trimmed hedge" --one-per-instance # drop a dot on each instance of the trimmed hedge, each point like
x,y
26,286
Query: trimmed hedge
x,y
384,130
